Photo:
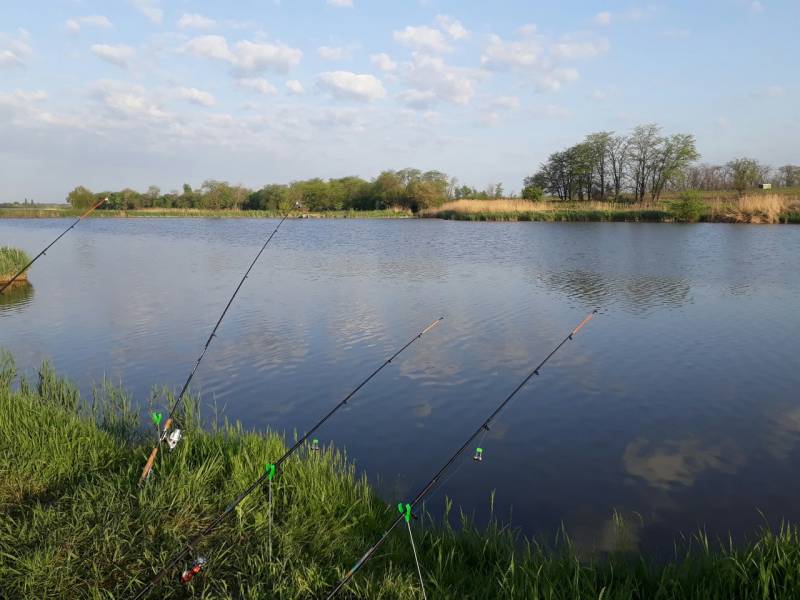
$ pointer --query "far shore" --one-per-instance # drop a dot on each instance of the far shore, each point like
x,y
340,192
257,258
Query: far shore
x,y
752,208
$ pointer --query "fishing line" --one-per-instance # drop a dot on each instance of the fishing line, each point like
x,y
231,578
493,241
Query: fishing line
x,y
430,485
173,437
271,468
43,252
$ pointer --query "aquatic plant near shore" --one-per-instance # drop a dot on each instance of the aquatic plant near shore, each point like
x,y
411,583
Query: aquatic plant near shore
x,y
74,524
11,261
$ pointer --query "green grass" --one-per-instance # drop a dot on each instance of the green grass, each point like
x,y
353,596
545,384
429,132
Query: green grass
x,y
11,261
74,524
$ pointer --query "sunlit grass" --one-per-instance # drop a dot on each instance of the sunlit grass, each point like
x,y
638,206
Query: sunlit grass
x,y
11,261
74,524
752,208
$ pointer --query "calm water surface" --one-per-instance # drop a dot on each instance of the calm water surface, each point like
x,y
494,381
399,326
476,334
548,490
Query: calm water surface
x,y
678,407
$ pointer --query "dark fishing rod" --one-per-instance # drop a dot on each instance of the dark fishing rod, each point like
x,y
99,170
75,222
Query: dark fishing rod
x,y
430,485
172,438
43,252
269,473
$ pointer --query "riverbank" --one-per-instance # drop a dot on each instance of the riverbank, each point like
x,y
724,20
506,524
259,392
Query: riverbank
x,y
74,524
65,211
770,208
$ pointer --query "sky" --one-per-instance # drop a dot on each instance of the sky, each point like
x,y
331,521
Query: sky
x,y
131,93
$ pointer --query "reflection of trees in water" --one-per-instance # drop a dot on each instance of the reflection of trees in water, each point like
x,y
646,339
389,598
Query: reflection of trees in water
x,y
16,296
635,292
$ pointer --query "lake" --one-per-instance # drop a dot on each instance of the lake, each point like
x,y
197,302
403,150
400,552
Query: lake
x,y
677,407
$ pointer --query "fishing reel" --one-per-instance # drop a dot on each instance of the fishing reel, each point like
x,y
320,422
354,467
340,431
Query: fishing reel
x,y
173,439
197,566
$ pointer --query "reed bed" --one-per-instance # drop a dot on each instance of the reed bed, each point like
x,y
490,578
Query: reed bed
x,y
525,210
761,208
11,261
755,208
74,523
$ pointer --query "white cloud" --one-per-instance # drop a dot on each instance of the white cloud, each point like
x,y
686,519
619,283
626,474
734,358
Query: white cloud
x,y
295,87
599,96
246,56
501,54
430,79
757,7
602,18
384,62
422,38
491,119
118,55
452,27
196,21
196,96
14,49
258,84
572,50
331,53
127,100
345,84
150,9
532,54
341,3
554,80
74,24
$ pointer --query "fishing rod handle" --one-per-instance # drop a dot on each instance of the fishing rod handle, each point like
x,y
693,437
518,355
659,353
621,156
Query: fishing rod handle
x,y
148,465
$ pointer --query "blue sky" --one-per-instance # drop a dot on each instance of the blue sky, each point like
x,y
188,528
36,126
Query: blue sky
x,y
140,92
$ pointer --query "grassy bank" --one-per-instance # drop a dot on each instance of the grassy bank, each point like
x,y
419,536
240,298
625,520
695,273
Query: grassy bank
x,y
57,212
757,208
11,261
74,524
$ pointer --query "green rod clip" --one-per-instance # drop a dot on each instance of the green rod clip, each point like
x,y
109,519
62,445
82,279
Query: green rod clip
x,y
157,418
404,510
270,468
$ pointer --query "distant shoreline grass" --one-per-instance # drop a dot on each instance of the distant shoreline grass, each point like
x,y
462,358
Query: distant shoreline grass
x,y
74,524
11,261
767,208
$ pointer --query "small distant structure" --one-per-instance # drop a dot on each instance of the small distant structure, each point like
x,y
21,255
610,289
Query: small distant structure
x,y
765,186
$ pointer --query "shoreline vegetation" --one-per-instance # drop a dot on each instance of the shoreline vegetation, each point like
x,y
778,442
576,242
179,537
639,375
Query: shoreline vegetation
x,y
11,261
687,207
74,523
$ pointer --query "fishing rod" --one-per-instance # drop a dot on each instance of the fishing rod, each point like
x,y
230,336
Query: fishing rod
x,y
173,437
43,252
405,509
268,474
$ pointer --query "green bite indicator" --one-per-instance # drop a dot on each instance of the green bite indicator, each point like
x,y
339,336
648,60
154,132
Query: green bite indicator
x,y
478,456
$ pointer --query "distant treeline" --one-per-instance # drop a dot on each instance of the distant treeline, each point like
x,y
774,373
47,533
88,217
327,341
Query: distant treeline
x,y
410,189
641,166
637,167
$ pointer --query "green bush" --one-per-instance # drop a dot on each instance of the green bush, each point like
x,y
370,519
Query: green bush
x,y
532,192
689,208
